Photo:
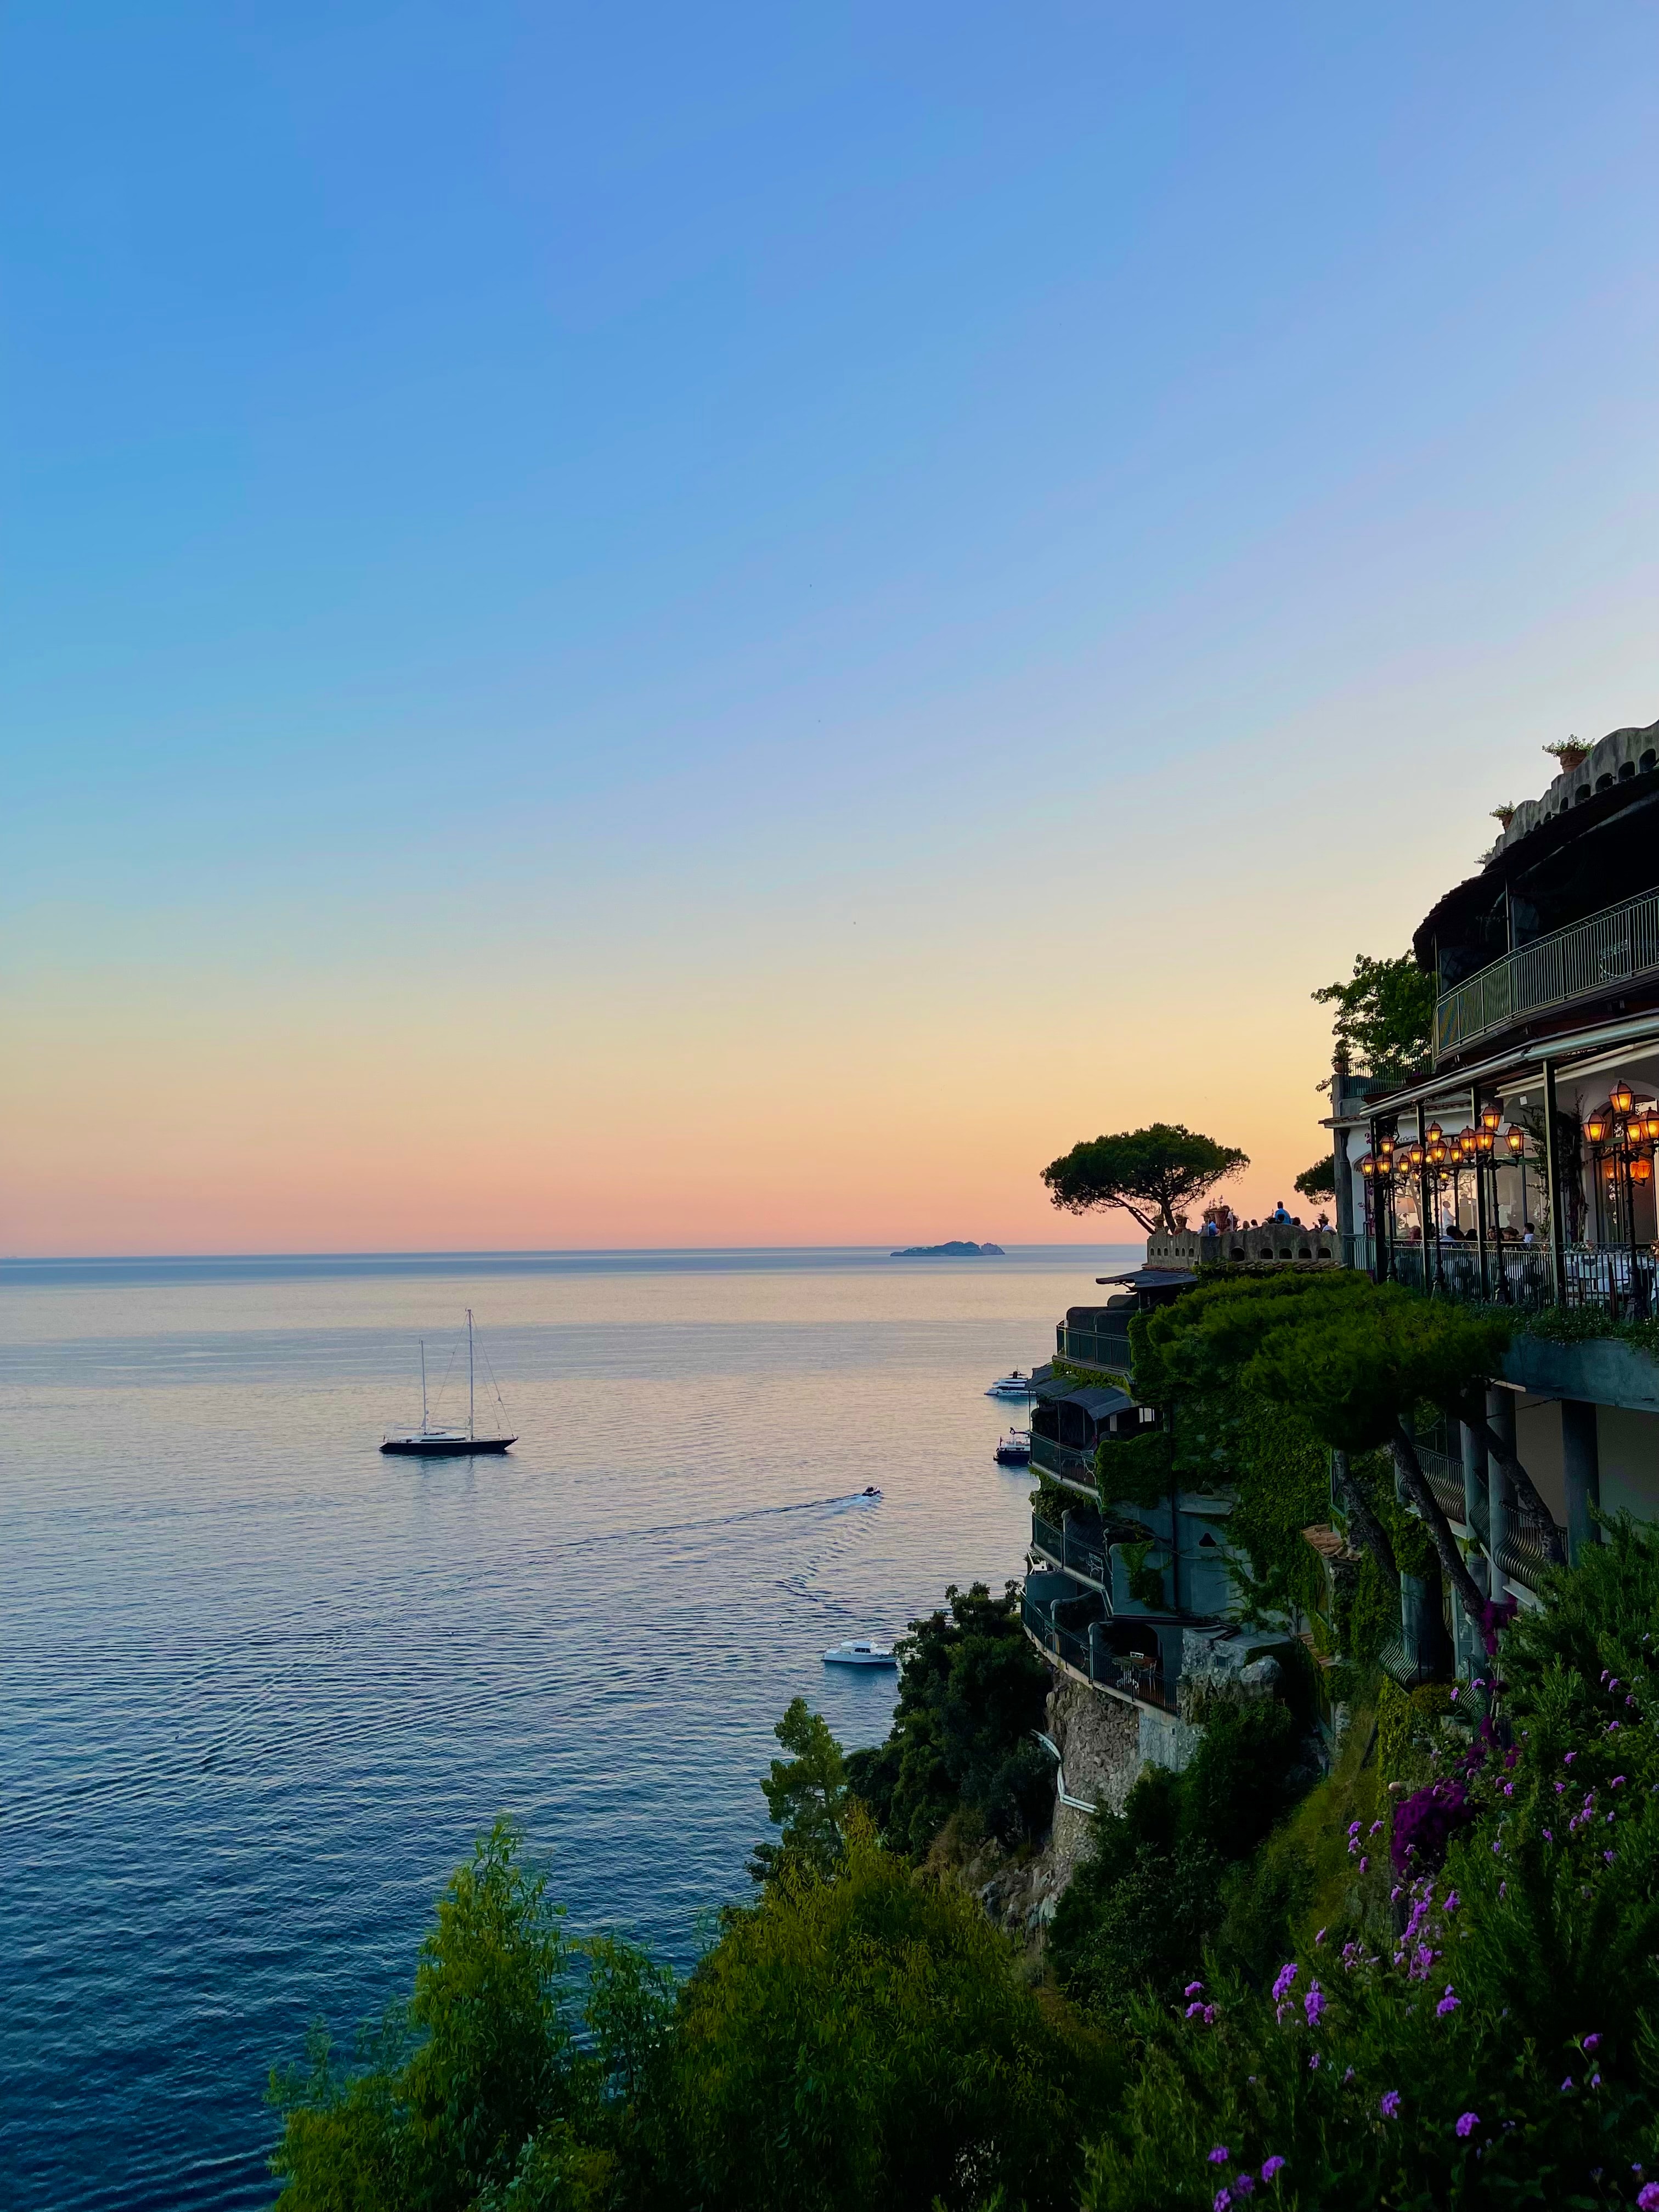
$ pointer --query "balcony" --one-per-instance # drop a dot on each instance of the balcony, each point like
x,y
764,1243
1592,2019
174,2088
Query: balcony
x,y
1066,1463
1104,1348
1588,961
1275,1241
1622,1282
1080,1552
1136,1677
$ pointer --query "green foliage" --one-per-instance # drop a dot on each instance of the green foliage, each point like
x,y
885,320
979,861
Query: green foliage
x,y
1146,1583
870,2042
1488,2039
1154,1174
1384,1019
457,2079
1051,1500
1133,1470
1587,1324
805,1796
1153,1890
1320,1180
971,1694
1282,1473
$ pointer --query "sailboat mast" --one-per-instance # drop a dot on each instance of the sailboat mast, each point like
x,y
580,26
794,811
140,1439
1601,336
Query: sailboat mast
x,y
423,1423
471,1429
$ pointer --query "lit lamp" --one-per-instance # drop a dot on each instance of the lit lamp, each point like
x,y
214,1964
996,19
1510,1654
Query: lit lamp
x,y
1622,1099
1434,1133
1597,1124
1641,1170
1515,1139
1486,1139
1491,1116
1651,1122
1415,1156
1367,1166
1437,1151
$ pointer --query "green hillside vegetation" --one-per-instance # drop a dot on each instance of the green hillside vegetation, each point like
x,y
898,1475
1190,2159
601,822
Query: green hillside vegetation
x,y
1429,1980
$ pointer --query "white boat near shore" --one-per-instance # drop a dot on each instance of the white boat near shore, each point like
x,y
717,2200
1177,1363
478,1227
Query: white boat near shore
x,y
860,1652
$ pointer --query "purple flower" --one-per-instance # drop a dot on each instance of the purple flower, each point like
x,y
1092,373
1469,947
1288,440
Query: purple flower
x,y
1388,2104
1272,2167
1592,2042
1284,1980
1245,2185
1467,2122
1194,2012
1364,1865
1209,2015
1567,2087
1223,2198
1569,1758
1648,2199
1450,1905
1313,2003
1192,1989
1617,1783
1448,2003
1607,1855
1319,1937
1313,2062
1220,2156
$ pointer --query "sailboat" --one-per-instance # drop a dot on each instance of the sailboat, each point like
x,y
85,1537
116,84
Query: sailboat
x,y
427,1442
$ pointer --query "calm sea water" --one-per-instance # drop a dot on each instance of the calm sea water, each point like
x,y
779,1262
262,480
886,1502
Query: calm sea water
x,y
262,1686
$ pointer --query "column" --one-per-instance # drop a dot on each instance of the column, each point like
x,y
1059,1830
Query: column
x,y
1500,1416
1582,1469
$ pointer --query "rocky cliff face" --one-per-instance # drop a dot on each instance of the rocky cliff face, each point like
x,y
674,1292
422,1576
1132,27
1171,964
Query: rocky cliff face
x,y
1100,1753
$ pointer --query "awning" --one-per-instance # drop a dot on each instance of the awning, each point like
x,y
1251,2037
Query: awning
x,y
1098,1400
1153,1279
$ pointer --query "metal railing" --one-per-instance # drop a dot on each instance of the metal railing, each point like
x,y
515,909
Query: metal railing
x,y
1624,1282
1063,1460
1094,1347
1133,1675
1081,1552
1614,947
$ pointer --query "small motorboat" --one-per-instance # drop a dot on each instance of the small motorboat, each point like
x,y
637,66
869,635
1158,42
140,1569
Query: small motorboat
x,y
1011,1386
1015,1450
870,1492
860,1652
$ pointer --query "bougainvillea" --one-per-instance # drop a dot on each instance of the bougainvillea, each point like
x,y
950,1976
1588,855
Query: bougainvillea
x,y
1483,2032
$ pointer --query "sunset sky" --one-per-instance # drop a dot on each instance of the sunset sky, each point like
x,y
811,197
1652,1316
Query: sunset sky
x,y
633,625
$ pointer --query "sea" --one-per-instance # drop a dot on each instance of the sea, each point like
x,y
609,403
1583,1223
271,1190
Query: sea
x,y
262,1687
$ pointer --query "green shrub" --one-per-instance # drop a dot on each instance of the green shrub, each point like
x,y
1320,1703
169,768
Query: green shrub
x,y
972,1694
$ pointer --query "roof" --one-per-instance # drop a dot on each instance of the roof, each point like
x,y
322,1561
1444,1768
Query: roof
x,y
1096,1399
1153,1279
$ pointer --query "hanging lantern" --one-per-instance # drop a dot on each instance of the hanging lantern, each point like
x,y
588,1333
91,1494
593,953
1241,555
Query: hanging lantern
x,y
1436,1153
1434,1133
1596,1126
1490,1118
1641,1170
1515,1139
1651,1125
1367,1166
1485,1139
1623,1097
1415,1156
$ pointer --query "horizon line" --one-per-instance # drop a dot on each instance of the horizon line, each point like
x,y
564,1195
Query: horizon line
x,y
519,1252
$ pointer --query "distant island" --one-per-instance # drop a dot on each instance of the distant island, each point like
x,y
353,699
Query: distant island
x,y
956,1249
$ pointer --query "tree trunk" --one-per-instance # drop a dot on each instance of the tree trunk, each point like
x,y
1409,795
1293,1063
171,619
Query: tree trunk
x,y
1371,1533
1452,1563
1537,1510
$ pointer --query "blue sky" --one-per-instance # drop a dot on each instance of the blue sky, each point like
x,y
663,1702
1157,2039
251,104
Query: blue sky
x,y
777,544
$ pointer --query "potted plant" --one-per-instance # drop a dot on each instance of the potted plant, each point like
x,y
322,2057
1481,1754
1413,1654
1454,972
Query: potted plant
x,y
1569,753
